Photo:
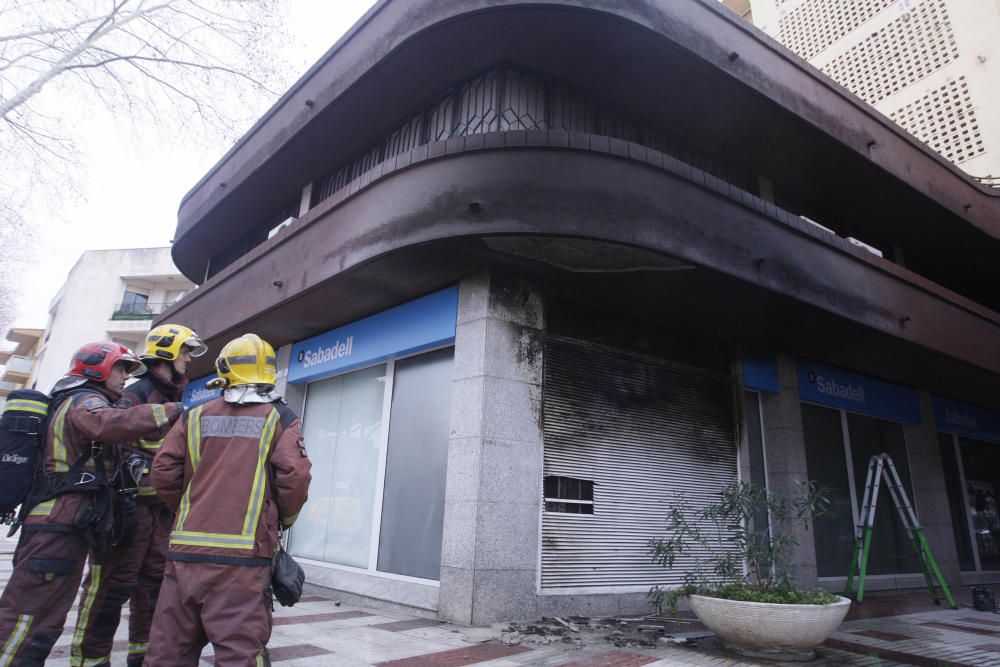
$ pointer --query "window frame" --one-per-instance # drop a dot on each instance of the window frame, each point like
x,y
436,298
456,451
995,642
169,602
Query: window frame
x,y
371,568
558,500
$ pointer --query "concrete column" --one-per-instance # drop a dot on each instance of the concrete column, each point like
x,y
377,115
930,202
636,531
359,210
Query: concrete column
x,y
930,496
489,559
785,458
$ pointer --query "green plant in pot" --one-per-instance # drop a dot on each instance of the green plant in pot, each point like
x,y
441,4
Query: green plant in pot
x,y
735,553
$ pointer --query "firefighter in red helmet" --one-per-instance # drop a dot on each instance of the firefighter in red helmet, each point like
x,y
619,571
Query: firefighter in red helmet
x,y
133,570
70,507
234,468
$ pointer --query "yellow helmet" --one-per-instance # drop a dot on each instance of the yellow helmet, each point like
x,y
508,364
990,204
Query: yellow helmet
x,y
248,359
165,341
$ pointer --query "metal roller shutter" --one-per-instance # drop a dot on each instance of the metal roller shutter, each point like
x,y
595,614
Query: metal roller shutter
x,y
643,430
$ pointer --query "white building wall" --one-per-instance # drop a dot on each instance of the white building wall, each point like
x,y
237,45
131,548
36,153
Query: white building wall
x,y
933,66
82,310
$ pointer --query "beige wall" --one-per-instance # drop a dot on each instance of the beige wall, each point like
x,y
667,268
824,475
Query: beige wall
x,y
931,65
82,310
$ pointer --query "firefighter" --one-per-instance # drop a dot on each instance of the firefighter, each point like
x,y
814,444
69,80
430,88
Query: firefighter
x,y
133,571
70,506
233,469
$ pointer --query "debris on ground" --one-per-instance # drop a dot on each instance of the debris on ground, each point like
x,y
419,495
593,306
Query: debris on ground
x,y
626,632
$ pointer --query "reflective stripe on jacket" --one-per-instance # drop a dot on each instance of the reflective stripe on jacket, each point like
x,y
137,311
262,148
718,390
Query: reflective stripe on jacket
x,y
82,419
155,387
231,472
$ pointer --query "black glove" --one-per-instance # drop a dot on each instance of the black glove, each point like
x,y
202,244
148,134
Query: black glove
x,y
287,578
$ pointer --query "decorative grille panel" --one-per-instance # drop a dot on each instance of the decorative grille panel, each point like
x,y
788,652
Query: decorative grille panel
x,y
478,105
908,49
524,102
643,431
571,112
945,120
404,139
441,119
503,99
816,24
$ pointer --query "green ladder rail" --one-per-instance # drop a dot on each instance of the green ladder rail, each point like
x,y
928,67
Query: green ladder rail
x,y
880,466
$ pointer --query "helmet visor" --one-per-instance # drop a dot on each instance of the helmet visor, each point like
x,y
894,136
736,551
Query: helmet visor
x,y
133,366
196,346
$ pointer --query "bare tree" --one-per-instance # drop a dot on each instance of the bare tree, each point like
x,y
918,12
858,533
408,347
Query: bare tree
x,y
191,69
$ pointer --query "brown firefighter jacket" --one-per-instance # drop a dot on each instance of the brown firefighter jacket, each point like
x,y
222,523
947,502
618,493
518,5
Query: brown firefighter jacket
x,y
85,418
232,472
156,386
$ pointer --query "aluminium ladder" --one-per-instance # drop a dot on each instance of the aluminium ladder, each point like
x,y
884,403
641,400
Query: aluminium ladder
x,y
880,466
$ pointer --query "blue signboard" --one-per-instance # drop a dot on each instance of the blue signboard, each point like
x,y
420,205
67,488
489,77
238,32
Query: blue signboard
x,y
197,393
760,371
857,393
418,325
963,419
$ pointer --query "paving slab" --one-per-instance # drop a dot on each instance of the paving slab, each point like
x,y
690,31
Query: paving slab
x,y
891,629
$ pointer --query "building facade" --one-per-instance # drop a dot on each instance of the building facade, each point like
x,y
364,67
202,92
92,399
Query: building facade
x,y
17,363
108,295
932,66
534,270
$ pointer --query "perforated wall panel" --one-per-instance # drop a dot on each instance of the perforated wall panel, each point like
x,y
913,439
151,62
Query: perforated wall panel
x,y
945,120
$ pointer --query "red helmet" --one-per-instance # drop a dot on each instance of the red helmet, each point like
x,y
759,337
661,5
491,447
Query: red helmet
x,y
94,360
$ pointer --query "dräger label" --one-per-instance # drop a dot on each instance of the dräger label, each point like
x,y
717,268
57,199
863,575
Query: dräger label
x,y
14,458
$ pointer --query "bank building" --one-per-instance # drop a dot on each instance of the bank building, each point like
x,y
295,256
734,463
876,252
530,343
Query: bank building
x,y
536,268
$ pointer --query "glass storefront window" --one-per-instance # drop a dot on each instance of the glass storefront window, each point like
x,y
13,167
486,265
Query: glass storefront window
x,y
957,500
833,533
758,474
342,431
415,467
981,462
376,483
891,549
827,458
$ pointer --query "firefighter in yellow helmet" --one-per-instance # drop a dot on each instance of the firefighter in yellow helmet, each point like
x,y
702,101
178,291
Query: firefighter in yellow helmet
x,y
234,469
134,569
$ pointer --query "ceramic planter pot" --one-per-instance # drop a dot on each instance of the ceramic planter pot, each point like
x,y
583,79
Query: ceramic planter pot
x,y
770,631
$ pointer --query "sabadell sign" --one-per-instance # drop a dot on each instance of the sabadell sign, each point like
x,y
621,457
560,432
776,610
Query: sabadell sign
x,y
423,324
838,388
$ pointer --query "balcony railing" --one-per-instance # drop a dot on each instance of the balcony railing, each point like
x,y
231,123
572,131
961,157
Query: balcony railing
x,y
16,368
138,311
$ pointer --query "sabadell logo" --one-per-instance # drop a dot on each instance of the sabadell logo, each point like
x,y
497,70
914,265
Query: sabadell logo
x,y
833,388
321,355
200,394
960,419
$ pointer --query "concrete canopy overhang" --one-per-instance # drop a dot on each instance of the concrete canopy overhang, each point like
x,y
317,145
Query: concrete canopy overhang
x,y
641,237
687,65
24,340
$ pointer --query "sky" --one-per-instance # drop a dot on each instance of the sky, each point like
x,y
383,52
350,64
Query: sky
x,y
131,188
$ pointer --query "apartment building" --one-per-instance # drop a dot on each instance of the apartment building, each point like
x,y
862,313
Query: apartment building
x,y
17,363
534,268
108,295
932,66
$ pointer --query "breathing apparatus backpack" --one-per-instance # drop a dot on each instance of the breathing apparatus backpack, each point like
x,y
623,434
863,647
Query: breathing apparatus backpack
x,y
23,428
23,425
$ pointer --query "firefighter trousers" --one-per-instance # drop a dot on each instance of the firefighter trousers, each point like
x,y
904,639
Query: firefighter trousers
x,y
227,605
132,571
48,566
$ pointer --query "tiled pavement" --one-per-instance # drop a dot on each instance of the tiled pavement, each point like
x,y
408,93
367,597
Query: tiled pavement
x,y
320,632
